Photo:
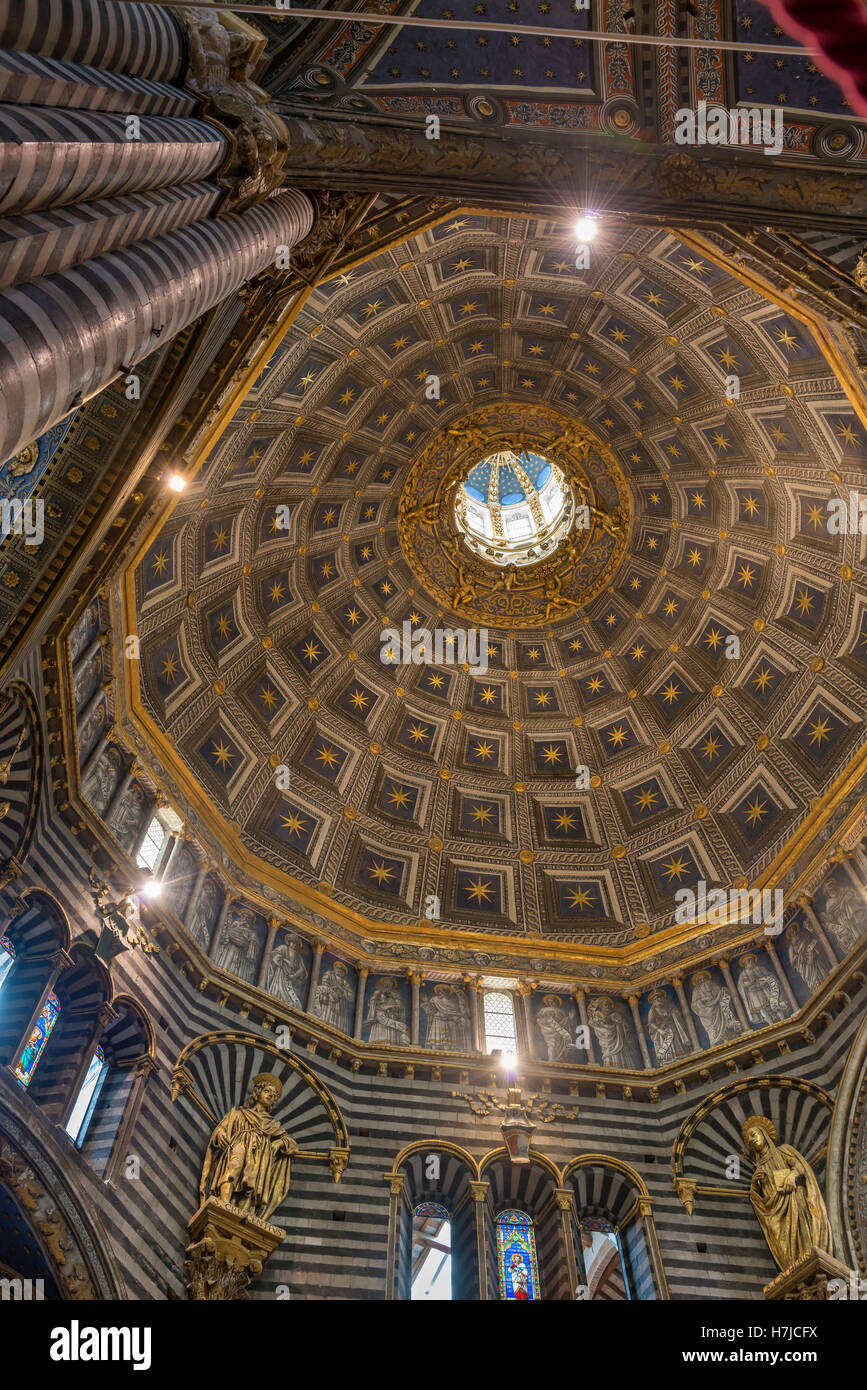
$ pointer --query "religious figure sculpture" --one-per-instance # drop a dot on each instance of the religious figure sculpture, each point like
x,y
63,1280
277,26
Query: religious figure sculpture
x,y
386,1014
448,1022
712,1006
613,1032
238,945
844,913
760,990
667,1029
247,1162
202,918
785,1196
6,769
287,973
556,1026
332,1001
127,818
101,780
806,956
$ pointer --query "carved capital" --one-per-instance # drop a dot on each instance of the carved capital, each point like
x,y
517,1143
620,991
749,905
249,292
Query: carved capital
x,y
227,1250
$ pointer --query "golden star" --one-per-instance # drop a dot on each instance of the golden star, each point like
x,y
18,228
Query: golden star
x,y
580,898
418,733
645,799
311,651
804,603
565,821
755,812
379,870
160,562
294,824
326,756
359,699
483,749
268,697
170,667
617,736
762,679
746,575
710,747
222,753
820,731
480,891
482,814
488,695
399,797
671,692
713,638
750,505
675,868
542,698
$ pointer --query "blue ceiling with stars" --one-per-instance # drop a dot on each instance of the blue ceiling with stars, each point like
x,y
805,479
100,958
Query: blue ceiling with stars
x,y
678,728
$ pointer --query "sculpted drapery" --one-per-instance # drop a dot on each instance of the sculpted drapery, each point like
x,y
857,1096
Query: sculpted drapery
x,y
247,1162
785,1196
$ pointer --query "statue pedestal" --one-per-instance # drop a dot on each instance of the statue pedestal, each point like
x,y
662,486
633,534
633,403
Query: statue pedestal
x,y
808,1278
227,1250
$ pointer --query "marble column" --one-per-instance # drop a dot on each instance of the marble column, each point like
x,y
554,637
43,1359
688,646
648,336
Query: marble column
x,y
565,1198
416,980
228,900
316,966
688,1019
68,335
273,926
479,1193
632,1000
120,791
843,857
396,1199
363,973
581,1000
771,948
477,1021
139,40
201,875
806,906
735,994
524,1019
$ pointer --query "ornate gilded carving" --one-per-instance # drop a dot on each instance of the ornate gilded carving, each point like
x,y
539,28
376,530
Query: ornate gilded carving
x,y
219,75
227,1250
785,1196
248,1159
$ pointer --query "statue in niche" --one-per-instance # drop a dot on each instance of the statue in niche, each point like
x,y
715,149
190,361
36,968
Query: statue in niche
x,y
332,1001
88,730
287,973
178,887
667,1029
806,955
202,918
613,1031
712,1006
85,679
386,1014
101,781
844,913
127,818
557,1026
448,1019
785,1196
238,945
247,1162
760,990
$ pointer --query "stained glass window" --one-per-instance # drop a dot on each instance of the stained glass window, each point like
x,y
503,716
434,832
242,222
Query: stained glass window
x,y
26,1064
7,957
516,1256
152,844
499,1021
88,1095
431,1253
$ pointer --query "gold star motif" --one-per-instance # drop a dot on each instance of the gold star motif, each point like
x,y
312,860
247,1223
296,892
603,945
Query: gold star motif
x,y
755,812
746,575
488,695
698,500
720,440
483,749
580,898
713,638
482,814
170,667
847,434
727,358
222,753
750,504
820,731
645,799
675,868
379,870
542,698
638,652
480,890
220,539
671,692
275,593
268,697
348,396
804,603
695,556
814,516
462,264
418,733
565,821
786,339
762,679
399,797
160,561
224,625
311,651
326,756
594,685
710,747
294,824
359,699
676,383
617,736
352,616
372,308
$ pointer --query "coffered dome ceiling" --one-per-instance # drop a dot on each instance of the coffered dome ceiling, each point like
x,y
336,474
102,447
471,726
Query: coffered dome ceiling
x,y
669,695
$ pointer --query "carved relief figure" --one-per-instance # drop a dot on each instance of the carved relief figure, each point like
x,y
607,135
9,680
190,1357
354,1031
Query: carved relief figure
x,y
386,1014
201,922
448,1019
760,990
127,818
667,1029
806,955
844,913
557,1026
613,1031
178,887
238,946
287,973
101,780
247,1163
785,1196
334,995
712,1006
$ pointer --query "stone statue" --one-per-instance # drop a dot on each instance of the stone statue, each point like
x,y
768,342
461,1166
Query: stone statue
x,y
556,1025
238,945
613,1032
844,913
101,780
6,769
785,1196
806,955
712,1006
448,1022
333,999
287,973
666,1028
760,990
249,1153
203,914
386,1014
127,818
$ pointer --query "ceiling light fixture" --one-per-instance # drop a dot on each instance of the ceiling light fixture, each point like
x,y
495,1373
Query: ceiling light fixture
x,y
176,482
152,888
586,227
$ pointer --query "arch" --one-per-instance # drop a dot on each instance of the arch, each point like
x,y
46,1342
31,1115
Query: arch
x,y
847,1157
24,809
67,1232
457,1188
55,908
427,1146
536,1188
628,1205
608,1161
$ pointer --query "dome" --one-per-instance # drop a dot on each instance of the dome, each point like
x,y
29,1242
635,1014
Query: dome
x,y
514,507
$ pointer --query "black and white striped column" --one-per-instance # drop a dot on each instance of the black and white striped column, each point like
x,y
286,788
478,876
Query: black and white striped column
x,y
65,336
141,40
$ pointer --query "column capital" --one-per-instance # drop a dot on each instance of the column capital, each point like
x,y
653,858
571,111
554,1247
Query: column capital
x,y
479,1190
564,1197
396,1183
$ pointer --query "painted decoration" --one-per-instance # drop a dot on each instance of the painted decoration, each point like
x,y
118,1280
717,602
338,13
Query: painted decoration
x,y
26,1064
516,1256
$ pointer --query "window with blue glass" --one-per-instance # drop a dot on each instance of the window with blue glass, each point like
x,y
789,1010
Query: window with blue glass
x,y
35,1045
7,958
516,1256
431,1253
88,1094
